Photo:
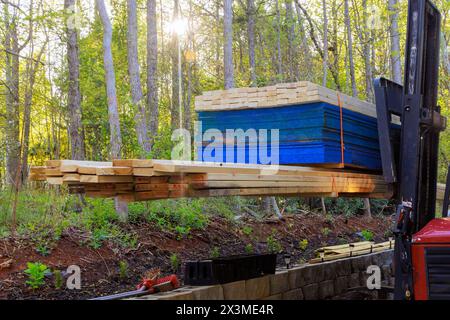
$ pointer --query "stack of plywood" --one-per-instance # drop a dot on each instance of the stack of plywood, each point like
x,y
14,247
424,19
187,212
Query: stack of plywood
x,y
140,180
315,125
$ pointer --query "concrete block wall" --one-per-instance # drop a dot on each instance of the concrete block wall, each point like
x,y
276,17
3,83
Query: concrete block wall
x,y
305,282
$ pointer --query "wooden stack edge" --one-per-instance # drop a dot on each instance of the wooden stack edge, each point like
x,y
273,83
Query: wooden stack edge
x,y
141,180
277,96
350,250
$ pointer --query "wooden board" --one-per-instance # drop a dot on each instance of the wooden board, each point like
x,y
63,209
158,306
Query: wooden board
x,y
277,96
193,179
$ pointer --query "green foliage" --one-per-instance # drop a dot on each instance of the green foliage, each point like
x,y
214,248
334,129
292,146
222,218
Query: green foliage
x,y
302,245
249,248
123,269
326,231
175,262
347,207
272,244
215,252
367,235
58,279
36,274
247,230
179,216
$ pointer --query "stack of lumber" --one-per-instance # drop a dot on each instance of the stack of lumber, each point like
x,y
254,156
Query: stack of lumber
x,y
279,95
316,125
141,180
349,250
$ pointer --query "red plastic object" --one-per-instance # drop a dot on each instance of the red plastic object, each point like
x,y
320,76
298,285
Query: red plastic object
x,y
435,234
149,283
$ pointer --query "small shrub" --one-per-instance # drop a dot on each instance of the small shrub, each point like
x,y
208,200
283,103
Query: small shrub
x,y
302,245
123,269
175,262
249,248
329,218
58,279
215,253
326,231
273,245
247,230
36,274
367,235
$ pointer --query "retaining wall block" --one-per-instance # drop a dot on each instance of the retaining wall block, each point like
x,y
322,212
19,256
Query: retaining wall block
x,y
341,284
386,272
296,294
234,290
326,289
274,297
178,294
279,282
207,293
363,278
329,270
311,291
387,256
343,267
354,280
357,264
258,288
295,277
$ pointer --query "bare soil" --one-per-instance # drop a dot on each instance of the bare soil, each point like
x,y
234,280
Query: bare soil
x,y
100,267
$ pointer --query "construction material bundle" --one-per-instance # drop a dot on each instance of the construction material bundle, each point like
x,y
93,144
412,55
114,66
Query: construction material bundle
x,y
350,250
316,126
141,180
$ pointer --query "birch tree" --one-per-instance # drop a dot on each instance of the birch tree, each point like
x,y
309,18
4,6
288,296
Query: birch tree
x,y
325,44
113,113
137,96
278,27
152,69
396,64
251,40
228,43
350,48
12,138
176,98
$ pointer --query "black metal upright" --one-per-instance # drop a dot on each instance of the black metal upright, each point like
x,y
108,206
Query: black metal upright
x,y
414,170
421,120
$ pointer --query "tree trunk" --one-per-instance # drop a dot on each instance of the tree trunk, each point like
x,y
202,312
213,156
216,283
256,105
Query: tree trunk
x,y
292,52
395,42
116,137
325,44
32,69
307,74
367,55
152,69
279,59
137,96
12,136
350,49
74,95
251,41
174,50
228,43
445,54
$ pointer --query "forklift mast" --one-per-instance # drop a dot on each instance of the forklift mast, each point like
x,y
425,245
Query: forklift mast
x,y
410,153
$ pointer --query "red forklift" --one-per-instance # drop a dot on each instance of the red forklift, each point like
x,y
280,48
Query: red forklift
x,y
409,155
